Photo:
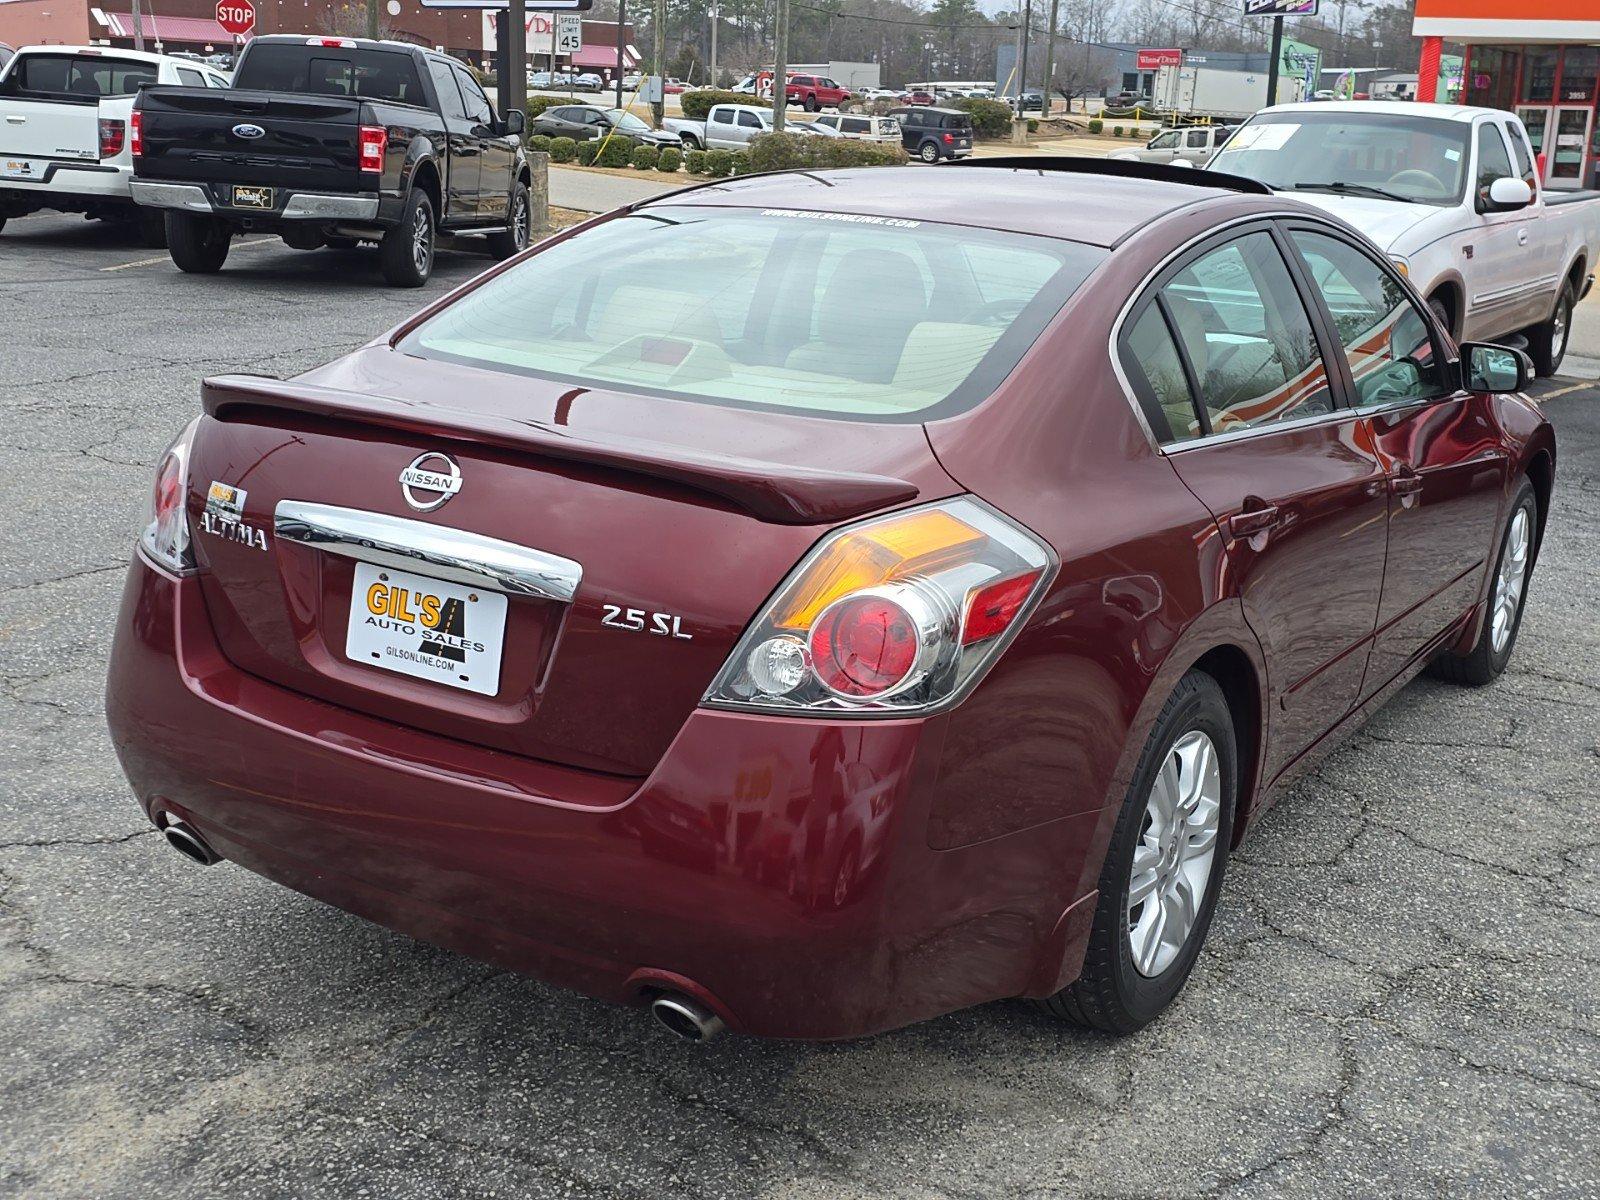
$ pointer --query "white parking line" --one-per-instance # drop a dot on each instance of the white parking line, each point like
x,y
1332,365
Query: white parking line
x,y
150,262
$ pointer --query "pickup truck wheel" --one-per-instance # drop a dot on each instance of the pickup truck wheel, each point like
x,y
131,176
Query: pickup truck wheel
x,y
1547,343
406,253
198,245
690,142
811,104
928,152
517,234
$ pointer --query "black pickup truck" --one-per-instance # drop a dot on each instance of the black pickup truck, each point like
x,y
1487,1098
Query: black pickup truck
x,y
332,141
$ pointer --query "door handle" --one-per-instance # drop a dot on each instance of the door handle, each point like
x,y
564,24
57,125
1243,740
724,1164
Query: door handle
x,y
1522,237
1253,520
16,120
1406,483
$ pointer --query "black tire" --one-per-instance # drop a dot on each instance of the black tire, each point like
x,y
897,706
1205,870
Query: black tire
x,y
198,245
2,224
1441,313
519,231
1484,663
1547,343
406,252
152,227
690,142
928,152
810,104
1110,993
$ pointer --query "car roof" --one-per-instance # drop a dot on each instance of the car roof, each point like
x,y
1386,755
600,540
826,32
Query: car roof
x,y
1098,210
1388,108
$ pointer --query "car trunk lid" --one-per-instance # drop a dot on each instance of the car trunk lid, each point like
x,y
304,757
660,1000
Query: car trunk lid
x,y
673,521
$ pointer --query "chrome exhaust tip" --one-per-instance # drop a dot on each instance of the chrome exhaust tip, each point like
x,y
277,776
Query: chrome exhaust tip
x,y
686,1017
181,836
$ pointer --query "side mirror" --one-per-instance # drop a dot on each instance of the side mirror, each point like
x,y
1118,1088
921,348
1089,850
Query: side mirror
x,y
1489,368
1507,195
516,122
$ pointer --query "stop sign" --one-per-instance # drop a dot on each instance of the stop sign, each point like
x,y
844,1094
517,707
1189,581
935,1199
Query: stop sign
x,y
238,17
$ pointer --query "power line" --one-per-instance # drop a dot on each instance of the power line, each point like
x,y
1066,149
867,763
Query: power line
x,y
828,12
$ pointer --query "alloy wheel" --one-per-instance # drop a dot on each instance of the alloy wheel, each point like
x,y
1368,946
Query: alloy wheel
x,y
520,219
1509,581
1173,859
421,240
1559,327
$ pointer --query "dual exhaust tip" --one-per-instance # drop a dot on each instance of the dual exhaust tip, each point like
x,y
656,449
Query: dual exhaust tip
x,y
682,1015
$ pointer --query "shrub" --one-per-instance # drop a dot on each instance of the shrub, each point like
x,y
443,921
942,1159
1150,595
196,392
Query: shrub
x,y
990,118
799,151
1033,124
1096,125
719,163
1135,132
563,149
614,152
739,164
697,104
1116,131
669,160
645,158
539,141
694,161
588,151
537,104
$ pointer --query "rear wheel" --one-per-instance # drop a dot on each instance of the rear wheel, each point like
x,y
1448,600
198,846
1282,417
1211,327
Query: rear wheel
x,y
1159,885
1441,313
1487,659
811,104
198,245
406,253
1547,343
928,152
519,230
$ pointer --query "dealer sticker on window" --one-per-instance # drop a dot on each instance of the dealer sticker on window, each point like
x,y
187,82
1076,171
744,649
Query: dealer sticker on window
x,y
429,629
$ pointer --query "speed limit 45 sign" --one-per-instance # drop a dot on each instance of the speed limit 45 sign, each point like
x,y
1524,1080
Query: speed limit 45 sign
x,y
569,35
237,17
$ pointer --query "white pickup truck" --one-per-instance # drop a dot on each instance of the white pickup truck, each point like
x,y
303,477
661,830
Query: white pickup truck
x,y
65,141
1452,195
735,126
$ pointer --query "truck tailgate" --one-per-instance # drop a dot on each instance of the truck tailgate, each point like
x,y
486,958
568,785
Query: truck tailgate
x,y
56,129
206,135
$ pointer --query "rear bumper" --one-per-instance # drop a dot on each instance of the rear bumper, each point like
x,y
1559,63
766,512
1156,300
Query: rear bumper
x,y
299,206
53,179
776,868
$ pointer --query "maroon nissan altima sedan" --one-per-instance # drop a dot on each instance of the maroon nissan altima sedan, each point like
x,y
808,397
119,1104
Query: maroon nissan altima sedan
x,y
816,602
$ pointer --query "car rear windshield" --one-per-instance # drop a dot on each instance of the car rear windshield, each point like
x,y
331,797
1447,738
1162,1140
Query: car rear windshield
x,y
80,76
1419,160
331,71
867,317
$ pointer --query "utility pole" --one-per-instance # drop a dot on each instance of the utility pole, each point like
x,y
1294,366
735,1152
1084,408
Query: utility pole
x,y
1019,126
658,34
780,67
1050,59
138,27
1276,54
622,42
516,31
716,19
372,19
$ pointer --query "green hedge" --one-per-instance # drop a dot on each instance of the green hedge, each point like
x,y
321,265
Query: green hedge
x,y
563,149
1096,125
587,152
670,159
801,151
990,118
697,104
719,163
694,161
615,152
1116,131
645,158
539,141
739,164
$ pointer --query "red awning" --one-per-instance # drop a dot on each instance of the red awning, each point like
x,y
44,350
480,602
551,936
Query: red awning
x,y
197,30
605,58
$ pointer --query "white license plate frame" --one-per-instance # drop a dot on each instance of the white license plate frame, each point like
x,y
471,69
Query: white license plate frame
x,y
447,633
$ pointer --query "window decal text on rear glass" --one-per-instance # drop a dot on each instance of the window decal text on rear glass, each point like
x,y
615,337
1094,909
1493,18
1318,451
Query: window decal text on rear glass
x,y
848,218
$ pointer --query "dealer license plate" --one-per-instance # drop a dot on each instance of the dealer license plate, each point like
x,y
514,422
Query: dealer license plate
x,y
431,629
251,197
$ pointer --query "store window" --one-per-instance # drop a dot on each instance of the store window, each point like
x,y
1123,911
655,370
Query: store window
x,y
1539,74
1579,68
1492,77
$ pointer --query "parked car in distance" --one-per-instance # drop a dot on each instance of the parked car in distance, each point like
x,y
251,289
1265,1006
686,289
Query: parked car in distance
x,y
582,122
64,129
861,127
673,87
1032,100
676,692
919,98
587,81
1449,193
879,93
408,147
814,92
1127,99
1194,145
631,81
934,134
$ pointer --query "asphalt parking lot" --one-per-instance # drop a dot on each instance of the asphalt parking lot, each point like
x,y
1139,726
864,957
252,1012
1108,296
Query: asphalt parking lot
x,y
1401,996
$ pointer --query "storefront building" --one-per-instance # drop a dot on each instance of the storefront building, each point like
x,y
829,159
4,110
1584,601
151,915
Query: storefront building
x,y
1543,64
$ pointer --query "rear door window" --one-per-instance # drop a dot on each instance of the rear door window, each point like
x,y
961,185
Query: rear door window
x,y
189,77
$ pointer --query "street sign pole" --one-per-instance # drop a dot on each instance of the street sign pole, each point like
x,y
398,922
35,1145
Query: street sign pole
x,y
622,41
1272,66
138,27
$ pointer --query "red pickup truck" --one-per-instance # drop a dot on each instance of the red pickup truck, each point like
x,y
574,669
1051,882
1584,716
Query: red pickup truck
x,y
812,92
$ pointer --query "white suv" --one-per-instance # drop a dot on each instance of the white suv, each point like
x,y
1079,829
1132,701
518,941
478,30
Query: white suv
x,y
862,128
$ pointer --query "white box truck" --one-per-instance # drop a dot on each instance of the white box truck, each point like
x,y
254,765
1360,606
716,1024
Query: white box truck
x,y
1189,91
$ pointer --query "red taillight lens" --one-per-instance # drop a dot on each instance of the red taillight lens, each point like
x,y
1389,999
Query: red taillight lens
x,y
113,136
864,645
136,133
166,531
992,609
374,141
949,139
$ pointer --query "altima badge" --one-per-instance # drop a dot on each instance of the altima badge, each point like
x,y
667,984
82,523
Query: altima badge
x,y
430,480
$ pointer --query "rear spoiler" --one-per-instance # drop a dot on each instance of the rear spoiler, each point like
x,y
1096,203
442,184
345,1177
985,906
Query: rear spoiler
x,y
776,492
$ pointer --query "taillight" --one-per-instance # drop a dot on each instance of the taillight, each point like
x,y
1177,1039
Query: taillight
x,y
166,532
949,139
113,136
136,133
900,614
341,43
374,141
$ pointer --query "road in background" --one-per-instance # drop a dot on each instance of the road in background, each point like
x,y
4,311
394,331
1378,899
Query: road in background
x,y
1399,998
